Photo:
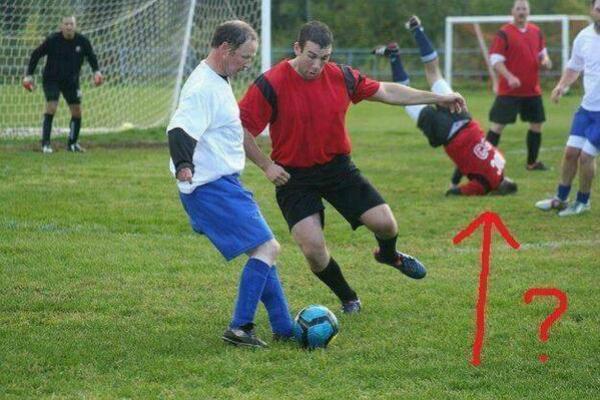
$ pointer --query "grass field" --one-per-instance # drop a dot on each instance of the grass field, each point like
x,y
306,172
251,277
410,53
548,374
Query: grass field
x,y
105,292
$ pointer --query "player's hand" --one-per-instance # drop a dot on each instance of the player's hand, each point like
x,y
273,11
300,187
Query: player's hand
x,y
276,174
28,83
513,82
454,101
546,63
557,93
98,78
185,175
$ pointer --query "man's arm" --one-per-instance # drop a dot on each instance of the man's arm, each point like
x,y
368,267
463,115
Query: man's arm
x,y
36,54
568,77
500,68
181,148
545,60
275,173
398,94
93,61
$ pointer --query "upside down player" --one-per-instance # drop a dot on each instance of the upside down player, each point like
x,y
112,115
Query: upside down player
x,y
461,136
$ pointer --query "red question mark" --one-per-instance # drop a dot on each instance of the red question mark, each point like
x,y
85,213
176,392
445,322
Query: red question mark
x,y
558,311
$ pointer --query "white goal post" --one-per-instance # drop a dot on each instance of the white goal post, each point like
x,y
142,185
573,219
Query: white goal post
x,y
145,49
476,21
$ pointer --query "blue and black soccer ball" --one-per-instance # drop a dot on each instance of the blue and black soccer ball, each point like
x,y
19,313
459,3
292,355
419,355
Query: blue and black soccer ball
x,y
315,326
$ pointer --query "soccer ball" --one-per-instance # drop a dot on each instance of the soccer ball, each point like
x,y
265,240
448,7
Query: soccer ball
x,y
315,326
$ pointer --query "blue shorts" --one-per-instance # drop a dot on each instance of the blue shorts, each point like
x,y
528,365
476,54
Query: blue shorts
x,y
586,124
228,215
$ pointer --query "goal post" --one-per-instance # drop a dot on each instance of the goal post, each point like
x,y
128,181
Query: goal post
x,y
563,42
145,49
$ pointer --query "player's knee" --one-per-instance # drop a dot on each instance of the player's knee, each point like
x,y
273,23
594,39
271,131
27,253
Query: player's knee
x,y
51,108
313,249
572,154
267,252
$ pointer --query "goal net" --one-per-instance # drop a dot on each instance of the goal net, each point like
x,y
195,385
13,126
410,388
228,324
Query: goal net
x,y
145,49
467,39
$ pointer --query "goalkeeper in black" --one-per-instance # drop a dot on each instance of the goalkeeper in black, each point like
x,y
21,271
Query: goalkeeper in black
x,y
65,51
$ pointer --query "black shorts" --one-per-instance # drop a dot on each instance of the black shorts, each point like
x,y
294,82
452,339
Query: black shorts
x,y
69,90
338,181
505,109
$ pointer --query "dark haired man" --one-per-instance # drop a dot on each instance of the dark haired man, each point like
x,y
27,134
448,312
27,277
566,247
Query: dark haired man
x,y
207,156
65,51
305,100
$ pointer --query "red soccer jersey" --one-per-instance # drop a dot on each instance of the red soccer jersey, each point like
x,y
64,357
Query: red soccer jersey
x,y
521,51
476,158
306,117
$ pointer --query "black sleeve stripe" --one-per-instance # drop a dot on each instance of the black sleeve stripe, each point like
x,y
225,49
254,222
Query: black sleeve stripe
x,y
268,92
349,79
181,148
502,35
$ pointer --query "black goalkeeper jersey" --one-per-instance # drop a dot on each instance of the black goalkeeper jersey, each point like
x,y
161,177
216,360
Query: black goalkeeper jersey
x,y
64,57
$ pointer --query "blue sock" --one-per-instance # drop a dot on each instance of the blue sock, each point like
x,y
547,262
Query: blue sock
x,y
398,73
276,305
252,283
583,197
427,51
563,192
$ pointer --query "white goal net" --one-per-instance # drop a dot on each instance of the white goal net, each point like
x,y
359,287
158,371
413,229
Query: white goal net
x,y
467,39
145,49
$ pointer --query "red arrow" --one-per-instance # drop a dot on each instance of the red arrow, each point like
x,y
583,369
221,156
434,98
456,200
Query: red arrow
x,y
488,220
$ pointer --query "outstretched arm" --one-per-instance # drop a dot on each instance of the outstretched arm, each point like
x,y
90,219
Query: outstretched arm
x,y
397,94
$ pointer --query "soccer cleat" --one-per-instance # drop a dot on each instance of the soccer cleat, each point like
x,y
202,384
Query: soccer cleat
x,y
413,23
352,307
553,203
75,148
386,51
404,263
575,208
46,149
537,166
240,337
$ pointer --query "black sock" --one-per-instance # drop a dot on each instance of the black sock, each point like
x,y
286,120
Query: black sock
x,y
74,126
534,141
332,277
387,247
456,176
47,129
493,138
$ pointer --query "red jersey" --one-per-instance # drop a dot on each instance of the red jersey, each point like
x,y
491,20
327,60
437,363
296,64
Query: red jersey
x,y
307,117
476,158
521,51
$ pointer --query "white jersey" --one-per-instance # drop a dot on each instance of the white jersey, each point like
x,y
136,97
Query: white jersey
x,y
586,58
209,113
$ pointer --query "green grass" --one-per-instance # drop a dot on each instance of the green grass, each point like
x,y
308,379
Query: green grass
x,y
105,292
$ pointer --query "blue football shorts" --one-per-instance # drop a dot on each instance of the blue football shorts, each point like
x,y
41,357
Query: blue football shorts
x,y
585,131
228,215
